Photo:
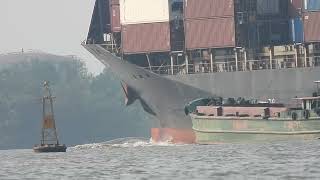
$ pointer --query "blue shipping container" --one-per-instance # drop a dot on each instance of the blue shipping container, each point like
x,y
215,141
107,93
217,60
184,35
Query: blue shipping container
x,y
296,30
312,5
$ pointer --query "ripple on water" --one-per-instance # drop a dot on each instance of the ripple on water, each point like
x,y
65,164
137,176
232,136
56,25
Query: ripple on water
x,y
136,158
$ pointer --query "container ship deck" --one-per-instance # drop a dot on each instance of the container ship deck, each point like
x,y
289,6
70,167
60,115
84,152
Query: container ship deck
x,y
180,50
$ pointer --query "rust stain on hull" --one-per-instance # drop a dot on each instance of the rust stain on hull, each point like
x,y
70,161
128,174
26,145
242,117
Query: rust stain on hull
x,y
172,135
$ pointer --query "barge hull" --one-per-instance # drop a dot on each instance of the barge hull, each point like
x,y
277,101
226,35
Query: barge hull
x,y
212,131
222,138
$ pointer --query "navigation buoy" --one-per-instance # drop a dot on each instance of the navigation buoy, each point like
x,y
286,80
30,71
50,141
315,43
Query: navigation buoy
x,y
49,137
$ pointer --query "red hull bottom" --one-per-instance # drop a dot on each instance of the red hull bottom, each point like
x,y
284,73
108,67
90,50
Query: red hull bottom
x,y
176,136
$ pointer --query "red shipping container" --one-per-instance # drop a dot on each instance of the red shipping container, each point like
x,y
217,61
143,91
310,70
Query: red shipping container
x,y
208,8
144,38
115,17
210,33
114,2
311,23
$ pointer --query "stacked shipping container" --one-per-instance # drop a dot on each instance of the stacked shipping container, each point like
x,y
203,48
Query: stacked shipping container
x,y
149,26
295,8
311,22
115,15
145,26
195,9
209,24
268,7
312,5
145,38
144,11
295,21
312,26
210,33
100,22
270,22
296,30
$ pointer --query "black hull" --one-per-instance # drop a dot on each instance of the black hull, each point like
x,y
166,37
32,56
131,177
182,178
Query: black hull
x,y
46,149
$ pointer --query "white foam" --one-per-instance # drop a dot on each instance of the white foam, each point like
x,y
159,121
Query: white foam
x,y
124,143
132,144
88,146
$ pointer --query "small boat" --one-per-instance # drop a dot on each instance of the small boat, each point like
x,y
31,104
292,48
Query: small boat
x,y
215,120
49,137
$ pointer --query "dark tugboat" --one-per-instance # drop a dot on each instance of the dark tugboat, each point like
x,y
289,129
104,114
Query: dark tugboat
x,y
49,138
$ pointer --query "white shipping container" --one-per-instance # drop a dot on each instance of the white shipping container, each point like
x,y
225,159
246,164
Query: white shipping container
x,y
268,7
144,11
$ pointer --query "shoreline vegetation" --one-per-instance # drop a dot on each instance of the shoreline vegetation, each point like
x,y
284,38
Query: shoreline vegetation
x,y
88,108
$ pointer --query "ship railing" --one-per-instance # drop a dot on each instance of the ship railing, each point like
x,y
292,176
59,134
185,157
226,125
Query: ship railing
x,y
157,69
168,69
231,66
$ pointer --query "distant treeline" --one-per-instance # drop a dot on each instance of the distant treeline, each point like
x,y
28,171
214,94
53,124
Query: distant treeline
x,y
87,108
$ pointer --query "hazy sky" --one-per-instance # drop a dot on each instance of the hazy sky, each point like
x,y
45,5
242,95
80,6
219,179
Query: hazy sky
x,y
53,26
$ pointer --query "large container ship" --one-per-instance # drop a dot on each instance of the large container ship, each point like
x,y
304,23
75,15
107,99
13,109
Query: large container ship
x,y
167,53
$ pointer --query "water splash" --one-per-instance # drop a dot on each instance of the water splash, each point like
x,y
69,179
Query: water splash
x,y
88,146
130,142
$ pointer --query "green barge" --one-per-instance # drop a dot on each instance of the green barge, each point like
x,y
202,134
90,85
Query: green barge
x,y
219,121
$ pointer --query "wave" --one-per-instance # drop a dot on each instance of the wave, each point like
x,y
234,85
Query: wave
x,y
128,142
